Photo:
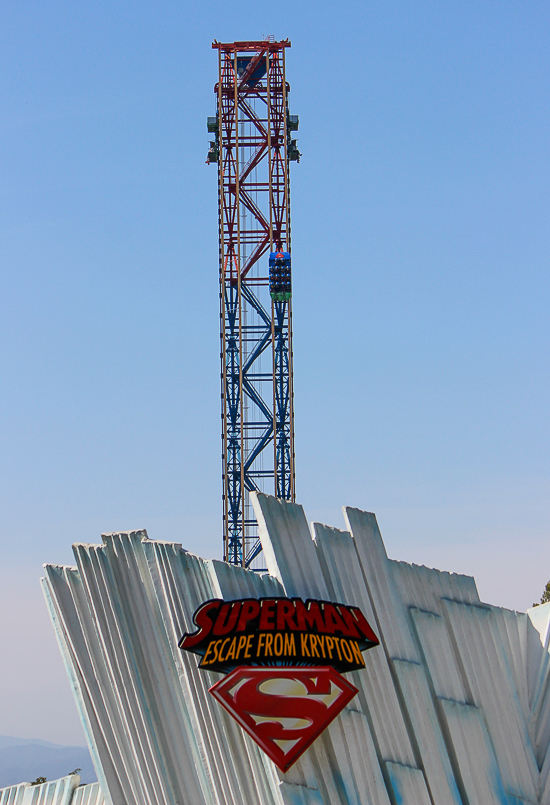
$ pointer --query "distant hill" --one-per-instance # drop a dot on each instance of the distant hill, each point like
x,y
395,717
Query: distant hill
x,y
8,740
23,760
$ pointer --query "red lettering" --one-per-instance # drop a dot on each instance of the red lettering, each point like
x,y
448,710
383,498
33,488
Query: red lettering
x,y
309,616
267,614
363,625
351,630
249,611
203,619
227,618
333,621
285,613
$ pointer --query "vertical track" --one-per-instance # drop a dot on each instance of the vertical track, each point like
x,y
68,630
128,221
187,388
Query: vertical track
x,y
253,150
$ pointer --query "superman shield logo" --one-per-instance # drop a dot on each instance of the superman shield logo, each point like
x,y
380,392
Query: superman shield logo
x,y
284,709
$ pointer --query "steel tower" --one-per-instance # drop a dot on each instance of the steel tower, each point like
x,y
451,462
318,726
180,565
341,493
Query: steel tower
x,y
253,147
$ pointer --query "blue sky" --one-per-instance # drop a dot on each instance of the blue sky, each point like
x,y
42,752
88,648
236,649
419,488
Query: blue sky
x,y
420,258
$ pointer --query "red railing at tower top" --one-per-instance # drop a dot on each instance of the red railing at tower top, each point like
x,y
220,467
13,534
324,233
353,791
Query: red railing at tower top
x,y
244,47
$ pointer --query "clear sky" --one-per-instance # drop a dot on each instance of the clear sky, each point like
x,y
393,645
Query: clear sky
x,y
420,218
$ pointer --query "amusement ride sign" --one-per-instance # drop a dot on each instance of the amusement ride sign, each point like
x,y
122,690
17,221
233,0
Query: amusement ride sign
x,y
283,658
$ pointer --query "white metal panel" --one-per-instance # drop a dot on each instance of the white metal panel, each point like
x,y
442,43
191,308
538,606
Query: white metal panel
x,y
409,786
88,795
538,677
13,794
355,755
545,795
423,587
540,618
432,752
54,792
294,794
68,607
377,693
491,686
512,631
391,615
136,693
446,675
148,724
477,767
288,546
231,581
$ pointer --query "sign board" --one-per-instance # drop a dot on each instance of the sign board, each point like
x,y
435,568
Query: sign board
x,y
284,658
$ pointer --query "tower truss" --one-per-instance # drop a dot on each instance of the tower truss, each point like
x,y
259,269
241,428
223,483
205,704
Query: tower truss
x,y
253,148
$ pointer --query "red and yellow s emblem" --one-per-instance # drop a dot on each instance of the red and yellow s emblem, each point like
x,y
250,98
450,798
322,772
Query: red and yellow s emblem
x,y
284,709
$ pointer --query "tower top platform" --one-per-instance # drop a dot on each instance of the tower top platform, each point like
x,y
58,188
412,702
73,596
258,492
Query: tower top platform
x,y
263,44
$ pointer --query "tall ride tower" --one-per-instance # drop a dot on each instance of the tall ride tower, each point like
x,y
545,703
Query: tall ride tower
x,y
253,147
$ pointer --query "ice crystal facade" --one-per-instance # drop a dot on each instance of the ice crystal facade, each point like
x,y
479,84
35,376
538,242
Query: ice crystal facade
x,y
453,707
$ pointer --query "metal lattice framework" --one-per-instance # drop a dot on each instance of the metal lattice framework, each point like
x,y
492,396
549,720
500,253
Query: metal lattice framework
x,y
253,149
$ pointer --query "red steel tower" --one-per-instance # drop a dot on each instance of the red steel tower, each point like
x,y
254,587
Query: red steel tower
x,y
253,148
